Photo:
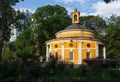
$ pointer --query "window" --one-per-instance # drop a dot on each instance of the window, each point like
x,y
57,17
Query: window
x,y
88,55
88,45
56,55
71,56
71,45
56,46
75,17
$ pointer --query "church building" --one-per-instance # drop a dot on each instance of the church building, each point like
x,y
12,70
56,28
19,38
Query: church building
x,y
75,43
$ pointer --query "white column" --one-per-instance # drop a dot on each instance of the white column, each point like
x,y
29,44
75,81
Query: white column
x,y
80,53
62,51
97,50
89,52
50,49
47,53
104,52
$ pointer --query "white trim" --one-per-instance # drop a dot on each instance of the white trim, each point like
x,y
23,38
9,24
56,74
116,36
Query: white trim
x,y
70,60
74,48
64,48
88,50
80,53
104,52
55,50
90,55
47,53
50,49
53,41
71,49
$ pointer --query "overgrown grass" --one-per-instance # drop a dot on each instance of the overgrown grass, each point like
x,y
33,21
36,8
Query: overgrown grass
x,y
14,72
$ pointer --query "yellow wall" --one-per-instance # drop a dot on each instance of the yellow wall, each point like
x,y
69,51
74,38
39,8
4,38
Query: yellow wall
x,y
76,34
67,44
84,45
66,54
75,13
74,49
92,53
59,54
75,56
92,49
84,54
59,45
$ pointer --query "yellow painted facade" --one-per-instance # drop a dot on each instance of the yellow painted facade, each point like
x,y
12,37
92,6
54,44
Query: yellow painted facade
x,y
73,44
82,32
75,16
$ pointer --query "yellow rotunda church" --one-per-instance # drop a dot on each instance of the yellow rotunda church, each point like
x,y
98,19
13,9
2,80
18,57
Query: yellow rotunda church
x,y
75,43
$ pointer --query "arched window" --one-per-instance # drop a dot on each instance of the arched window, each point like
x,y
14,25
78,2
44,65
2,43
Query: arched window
x,y
75,17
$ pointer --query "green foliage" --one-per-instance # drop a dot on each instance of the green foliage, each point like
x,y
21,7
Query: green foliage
x,y
14,71
48,20
107,1
112,38
8,51
51,19
8,20
109,33
30,44
9,70
95,23
25,45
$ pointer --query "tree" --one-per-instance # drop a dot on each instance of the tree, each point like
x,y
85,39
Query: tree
x,y
8,19
8,51
95,23
112,38
48,20
25,45
107,1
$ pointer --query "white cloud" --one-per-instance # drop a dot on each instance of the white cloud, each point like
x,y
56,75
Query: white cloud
x,y
106,10
81,13
24,9
69,10
71,1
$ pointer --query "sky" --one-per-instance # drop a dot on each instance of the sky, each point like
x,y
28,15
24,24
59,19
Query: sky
x,y
86,7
